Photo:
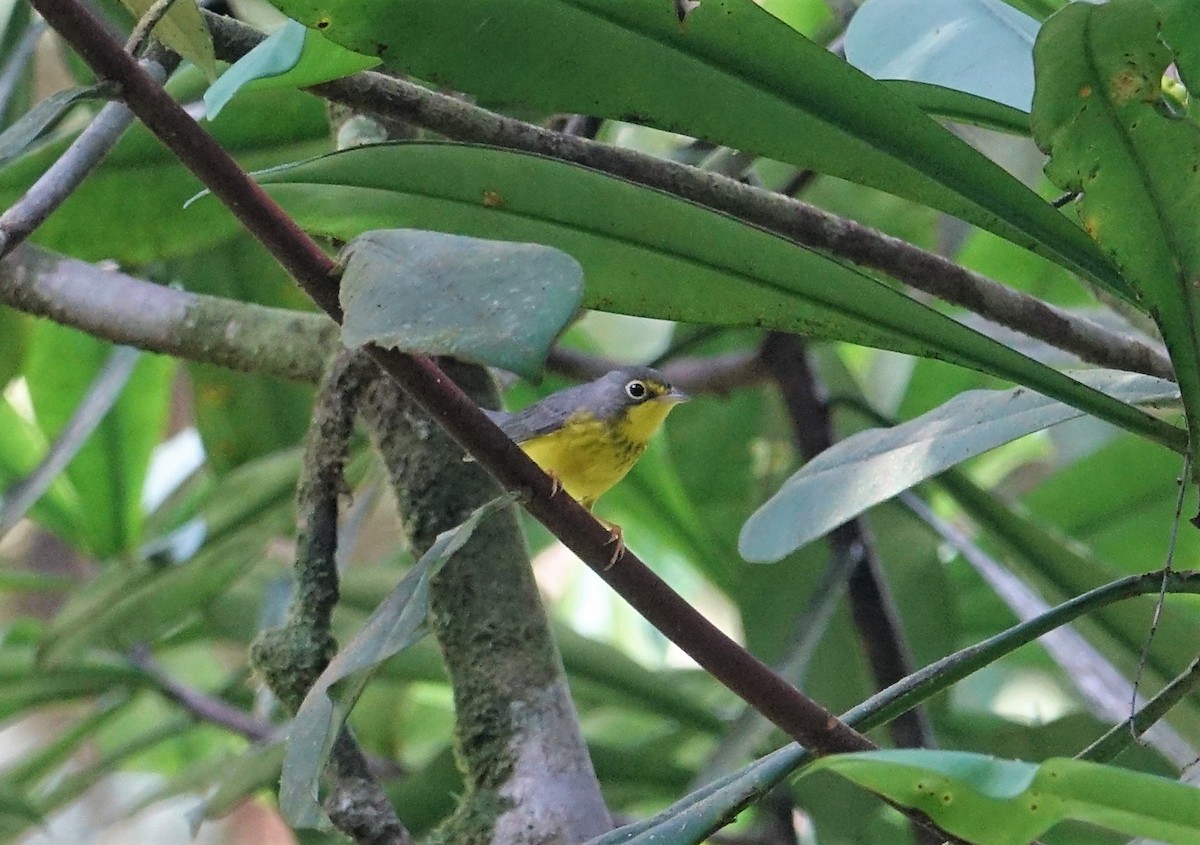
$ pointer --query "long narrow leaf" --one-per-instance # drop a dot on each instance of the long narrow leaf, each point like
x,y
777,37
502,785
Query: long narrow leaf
x,y
648,253
730,73
874,465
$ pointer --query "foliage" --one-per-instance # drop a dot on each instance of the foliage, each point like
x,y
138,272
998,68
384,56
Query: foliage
x,y
1037,489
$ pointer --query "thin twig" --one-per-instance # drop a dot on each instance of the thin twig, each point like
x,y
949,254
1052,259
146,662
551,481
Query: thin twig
x,y
70,169
1122,735
1099,682
88,414
141,32
1168,568
204,707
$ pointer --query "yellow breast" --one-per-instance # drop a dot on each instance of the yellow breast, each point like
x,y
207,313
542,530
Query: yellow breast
x,y
588,456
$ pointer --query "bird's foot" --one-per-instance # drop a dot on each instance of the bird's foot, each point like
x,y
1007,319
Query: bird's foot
x,y
616,540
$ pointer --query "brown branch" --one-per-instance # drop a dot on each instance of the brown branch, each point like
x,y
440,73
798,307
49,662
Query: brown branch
x,y
205,708
800,717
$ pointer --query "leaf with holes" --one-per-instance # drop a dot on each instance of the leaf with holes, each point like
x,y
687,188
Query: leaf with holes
x,y
1100,113
1009,802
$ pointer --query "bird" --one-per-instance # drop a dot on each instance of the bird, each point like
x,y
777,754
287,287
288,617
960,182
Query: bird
x,y
587,437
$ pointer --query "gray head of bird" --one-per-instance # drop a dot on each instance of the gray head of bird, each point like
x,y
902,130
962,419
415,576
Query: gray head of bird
x,y
627,388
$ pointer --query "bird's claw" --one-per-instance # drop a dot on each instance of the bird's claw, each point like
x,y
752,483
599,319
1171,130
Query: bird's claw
x,y
616,539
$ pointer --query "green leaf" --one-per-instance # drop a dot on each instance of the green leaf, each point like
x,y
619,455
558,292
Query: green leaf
x,y
34,123
489,302
48,760
962,107
875,465
981,47
291,57
241,777
731,73
651,254
1099,112
13,325
142,604
182,29
394,626
134,604
243,417
15,806
25,685
1006,802
109,470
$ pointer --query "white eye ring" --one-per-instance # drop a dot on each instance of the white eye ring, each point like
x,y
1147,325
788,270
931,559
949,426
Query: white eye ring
x,y
636,389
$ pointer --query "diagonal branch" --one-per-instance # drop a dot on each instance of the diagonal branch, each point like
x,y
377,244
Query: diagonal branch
x,y
799,716
797,221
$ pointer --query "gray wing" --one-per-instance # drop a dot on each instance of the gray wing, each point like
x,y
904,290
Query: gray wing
x,y
539,418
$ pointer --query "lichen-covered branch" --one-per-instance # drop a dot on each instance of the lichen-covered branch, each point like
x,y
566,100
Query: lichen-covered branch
x,y
126,310
528,774
292,657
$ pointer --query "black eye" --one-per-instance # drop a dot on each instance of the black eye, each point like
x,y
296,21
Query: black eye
x,y
636,389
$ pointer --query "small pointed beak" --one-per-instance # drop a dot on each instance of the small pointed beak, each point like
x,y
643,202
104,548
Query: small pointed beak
x,y
675,396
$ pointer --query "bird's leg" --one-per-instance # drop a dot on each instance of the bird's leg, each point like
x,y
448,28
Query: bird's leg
x,y
615,539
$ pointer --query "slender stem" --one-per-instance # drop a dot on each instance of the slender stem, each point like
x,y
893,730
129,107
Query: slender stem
x,y
88,414
141,32
204,707
73,166
942,674
1126,733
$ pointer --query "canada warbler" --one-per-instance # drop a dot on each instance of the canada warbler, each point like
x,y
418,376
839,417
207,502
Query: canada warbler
x,y
588,437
